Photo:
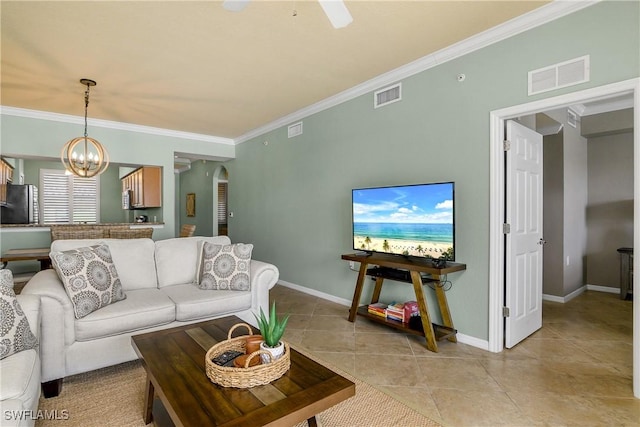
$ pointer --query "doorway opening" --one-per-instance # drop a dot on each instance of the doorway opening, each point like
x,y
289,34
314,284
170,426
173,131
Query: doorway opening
x,y
220,200
498,200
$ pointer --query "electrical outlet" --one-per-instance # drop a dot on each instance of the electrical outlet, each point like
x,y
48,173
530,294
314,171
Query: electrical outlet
x,y
352,265
568,261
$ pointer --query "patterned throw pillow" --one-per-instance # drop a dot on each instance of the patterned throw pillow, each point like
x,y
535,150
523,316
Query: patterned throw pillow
x,y
15,333
89,277
6,278
225,267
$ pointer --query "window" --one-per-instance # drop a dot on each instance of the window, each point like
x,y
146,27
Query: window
x,y
222,203
68,198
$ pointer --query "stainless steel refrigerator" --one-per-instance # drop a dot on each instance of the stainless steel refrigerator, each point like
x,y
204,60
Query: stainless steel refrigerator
x,y
22,205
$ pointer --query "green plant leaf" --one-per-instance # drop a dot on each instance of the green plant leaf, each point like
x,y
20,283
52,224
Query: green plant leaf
x,y
271,329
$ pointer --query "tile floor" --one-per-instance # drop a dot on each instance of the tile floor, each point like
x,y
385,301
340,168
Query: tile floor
x,y
575,371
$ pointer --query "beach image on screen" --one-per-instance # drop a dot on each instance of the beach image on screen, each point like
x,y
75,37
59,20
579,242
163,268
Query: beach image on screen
x,y
414,220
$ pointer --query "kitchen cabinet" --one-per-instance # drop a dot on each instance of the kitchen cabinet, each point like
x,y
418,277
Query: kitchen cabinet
x,y
6,177
145,184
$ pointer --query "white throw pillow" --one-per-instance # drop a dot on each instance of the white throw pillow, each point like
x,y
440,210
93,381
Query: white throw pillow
x,y
89,277
15,333
224,267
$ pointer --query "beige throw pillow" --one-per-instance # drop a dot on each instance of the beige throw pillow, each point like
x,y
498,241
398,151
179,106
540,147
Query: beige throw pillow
x,y
224,267
89,277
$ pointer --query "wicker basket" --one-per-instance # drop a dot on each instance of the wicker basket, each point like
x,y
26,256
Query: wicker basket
x,y
249,376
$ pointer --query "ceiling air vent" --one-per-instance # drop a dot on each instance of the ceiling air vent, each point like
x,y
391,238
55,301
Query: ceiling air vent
x,y
563,74
294,129
387,96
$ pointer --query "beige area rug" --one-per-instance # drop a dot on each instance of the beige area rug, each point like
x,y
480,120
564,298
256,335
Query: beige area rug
x,y
114,396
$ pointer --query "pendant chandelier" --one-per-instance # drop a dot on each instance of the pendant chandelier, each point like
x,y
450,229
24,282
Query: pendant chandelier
x,y
83,156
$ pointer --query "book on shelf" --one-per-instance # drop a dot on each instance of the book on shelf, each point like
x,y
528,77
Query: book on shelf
x,y
396,312
378,314
396,318
378,309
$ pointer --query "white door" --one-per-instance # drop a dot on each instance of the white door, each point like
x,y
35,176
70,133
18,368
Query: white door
x,y
524,238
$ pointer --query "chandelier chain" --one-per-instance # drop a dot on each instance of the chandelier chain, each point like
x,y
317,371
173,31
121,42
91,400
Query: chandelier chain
x,y
86,107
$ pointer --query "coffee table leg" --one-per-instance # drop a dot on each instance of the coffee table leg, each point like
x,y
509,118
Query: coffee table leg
x,y
312,422
148,402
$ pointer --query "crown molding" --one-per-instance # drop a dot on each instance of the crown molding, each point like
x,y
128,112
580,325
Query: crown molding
x,y
65,118
547,13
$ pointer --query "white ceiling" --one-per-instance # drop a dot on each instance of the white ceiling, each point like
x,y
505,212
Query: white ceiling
x,y
193,66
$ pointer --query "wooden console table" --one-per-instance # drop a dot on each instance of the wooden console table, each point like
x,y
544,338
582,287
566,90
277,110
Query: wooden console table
x,y
37,254
406,270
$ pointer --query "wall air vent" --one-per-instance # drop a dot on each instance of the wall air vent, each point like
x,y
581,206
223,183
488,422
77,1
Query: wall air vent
x,y
563,74
387,96
294,130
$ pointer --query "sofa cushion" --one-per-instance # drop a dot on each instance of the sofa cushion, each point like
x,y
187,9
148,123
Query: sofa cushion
x,y
176,259
224,267
142,309
20,375
15,332
89,277
193,303
134,259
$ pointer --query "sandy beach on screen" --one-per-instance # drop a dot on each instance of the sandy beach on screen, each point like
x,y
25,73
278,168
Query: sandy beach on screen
x,y
433,249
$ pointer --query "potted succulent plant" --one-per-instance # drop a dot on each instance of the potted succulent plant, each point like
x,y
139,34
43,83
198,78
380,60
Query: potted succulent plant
x,y
272,330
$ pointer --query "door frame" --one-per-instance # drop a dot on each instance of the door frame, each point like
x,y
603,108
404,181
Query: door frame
x,y
215,180
497,202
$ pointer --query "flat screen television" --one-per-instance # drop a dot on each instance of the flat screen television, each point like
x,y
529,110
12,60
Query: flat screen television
x,y
409,220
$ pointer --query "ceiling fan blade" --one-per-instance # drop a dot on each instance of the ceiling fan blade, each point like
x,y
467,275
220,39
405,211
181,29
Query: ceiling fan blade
x,y
337,12
235,5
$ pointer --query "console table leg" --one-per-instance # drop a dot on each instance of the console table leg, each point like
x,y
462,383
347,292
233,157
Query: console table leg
x,y
376,290
444,309
358,292
424,312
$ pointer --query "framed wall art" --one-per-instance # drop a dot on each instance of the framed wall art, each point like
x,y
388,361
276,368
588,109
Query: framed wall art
x,y
191,204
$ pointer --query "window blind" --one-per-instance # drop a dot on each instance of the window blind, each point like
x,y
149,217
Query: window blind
x,y
68,198
222,203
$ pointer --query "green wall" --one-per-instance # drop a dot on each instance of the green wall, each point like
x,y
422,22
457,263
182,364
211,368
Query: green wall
x,y
292,197
199,180
24,137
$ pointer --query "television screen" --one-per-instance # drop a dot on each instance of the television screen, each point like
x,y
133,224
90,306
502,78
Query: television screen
x,y
410,220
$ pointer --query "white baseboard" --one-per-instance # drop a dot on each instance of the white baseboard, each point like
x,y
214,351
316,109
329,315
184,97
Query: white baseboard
x,y
599,288
462,338
315,293
473,341
580,290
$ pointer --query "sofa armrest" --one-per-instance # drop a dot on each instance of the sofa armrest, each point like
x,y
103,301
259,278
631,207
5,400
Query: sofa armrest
x,y
264,276
30,305
56,324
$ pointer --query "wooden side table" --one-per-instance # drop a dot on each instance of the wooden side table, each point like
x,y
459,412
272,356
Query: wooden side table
x,y
406,270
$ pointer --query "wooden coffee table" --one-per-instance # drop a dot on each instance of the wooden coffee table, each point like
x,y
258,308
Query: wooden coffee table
x,y
174,361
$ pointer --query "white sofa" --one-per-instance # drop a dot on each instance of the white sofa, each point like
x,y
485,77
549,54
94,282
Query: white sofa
x,y
20,374
158,280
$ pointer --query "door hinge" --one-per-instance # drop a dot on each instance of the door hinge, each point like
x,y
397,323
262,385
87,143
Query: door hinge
x,y
505,311
506,228
506,145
